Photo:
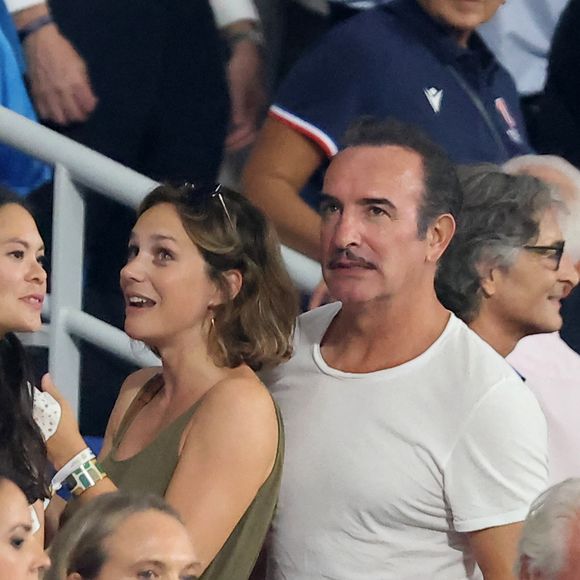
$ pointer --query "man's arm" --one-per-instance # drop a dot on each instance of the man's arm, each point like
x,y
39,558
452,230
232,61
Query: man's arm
x,y
495,550
281,163
245,73
59,81
315,105
239,23
497,467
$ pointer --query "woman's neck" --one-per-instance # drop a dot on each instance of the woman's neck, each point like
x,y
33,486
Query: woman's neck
x,y
189,371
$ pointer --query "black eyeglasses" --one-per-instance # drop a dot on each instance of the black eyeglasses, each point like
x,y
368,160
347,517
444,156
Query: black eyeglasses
x,y
198,194
553,252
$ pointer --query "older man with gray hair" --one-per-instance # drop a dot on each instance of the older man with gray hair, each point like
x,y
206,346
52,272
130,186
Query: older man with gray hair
x,y
485,278
505,271
550,544
551,367
562,175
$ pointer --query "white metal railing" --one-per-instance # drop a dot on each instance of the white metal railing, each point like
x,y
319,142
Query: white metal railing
x,y
76,167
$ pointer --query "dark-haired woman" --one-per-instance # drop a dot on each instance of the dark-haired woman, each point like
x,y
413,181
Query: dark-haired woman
x,y
206,290
22,291
21,554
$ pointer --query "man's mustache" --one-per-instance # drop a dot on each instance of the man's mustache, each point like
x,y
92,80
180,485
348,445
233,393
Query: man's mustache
x,y
346,257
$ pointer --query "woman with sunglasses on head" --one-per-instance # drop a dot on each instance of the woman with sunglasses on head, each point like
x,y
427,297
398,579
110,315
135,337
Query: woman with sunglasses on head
x,y
206,290
22,292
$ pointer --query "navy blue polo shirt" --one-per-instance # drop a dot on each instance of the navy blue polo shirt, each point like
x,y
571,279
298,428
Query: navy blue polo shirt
x,y
396,61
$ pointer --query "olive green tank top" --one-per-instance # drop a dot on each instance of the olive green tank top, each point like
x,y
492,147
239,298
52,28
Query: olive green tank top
x,y
150,471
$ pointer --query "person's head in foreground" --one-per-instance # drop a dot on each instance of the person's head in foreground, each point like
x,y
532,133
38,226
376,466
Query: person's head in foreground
x,y
123,536
22,292
565,178
506,272
550,544
205,268
388,205
21,554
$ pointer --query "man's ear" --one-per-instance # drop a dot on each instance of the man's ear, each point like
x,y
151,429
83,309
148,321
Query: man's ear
x,y
74,576
438,236
488,282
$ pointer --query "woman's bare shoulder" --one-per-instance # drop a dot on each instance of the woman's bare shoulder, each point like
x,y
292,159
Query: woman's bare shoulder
x,y
239,404
236,419
242,392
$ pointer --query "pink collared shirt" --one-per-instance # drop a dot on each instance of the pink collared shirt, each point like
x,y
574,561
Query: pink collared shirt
x,y
552,372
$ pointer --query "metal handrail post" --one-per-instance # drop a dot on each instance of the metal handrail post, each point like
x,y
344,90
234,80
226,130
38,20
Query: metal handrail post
x,y
67,283
109,338
92,169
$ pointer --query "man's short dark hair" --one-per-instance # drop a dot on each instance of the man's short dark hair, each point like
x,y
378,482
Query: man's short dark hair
x,y
442,192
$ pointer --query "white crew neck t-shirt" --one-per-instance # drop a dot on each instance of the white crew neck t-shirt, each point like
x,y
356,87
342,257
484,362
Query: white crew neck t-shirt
x,y
385,471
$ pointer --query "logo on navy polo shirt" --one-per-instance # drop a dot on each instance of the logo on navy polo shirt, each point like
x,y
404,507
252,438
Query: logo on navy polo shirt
x,y
512,129
434,96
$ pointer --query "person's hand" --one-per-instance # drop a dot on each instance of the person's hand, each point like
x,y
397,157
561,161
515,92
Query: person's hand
x,y
67,440
59,81
319,296
247,94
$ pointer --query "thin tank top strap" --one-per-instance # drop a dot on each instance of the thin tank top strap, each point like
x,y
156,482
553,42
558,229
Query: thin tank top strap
x,y
149,390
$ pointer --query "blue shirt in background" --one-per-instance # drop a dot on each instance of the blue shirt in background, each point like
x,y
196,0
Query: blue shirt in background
x,y
18,172
396,61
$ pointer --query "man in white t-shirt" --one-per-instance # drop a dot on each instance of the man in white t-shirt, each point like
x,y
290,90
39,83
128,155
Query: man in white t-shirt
x,y
413,451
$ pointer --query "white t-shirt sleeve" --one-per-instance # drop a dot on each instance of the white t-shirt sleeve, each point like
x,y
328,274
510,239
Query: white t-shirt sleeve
x,y
225,11
499,464
16,5
228,11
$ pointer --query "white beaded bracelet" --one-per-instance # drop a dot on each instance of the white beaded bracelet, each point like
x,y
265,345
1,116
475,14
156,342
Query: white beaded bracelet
x,y
64,472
